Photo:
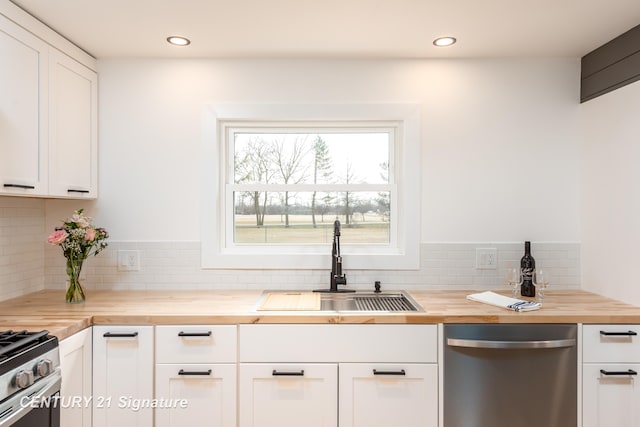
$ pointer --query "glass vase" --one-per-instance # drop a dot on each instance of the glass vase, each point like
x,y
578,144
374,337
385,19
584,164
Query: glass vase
x,y
75,293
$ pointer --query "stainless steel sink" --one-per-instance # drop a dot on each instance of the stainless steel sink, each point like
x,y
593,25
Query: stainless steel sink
x,y
398,301
365,301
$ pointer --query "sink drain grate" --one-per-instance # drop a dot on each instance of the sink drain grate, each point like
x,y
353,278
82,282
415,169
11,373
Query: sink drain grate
x,y
383,303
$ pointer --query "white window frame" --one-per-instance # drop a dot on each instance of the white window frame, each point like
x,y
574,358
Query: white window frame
x,y
218,249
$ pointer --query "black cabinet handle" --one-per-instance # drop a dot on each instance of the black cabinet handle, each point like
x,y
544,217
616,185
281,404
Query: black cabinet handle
x,y
120,335
26,187
194,334
618,334
72,190
400,372
300,373
183,372
628,372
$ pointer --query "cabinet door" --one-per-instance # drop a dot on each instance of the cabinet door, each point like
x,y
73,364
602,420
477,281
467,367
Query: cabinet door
x,y
288,395
388,395
194,393
23,111
73,140
122,375
610,400
75,363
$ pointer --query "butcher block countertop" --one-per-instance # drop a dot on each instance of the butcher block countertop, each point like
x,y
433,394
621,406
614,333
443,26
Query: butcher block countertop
x,y
47,310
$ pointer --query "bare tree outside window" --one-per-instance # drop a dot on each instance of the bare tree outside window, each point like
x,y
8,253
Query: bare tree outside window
x,y
253,165
288,158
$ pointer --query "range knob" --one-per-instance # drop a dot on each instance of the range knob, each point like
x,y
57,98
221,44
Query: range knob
x,y
44,368
23,379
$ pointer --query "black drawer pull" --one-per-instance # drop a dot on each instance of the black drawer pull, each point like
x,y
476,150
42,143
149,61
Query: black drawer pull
x,y
73,190
26,187
183,372
628,372
618,334
120,335
400,372
194,334
300,373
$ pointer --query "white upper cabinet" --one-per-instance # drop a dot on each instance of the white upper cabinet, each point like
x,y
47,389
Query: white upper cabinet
x,y
73,133
23,111
48,112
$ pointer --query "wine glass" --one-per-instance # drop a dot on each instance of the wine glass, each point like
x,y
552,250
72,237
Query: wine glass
x,y
514,280
541,282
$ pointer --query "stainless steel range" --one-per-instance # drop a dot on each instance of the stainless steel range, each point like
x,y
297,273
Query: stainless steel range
x,y
29,379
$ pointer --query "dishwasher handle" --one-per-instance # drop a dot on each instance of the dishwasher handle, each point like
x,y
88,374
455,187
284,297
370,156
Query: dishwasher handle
x,y
508,345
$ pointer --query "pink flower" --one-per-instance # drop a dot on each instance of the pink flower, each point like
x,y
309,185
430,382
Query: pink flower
x,y
90,234
57,237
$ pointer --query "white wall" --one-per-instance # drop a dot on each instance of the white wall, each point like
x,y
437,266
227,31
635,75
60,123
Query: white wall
x,y
500,165
611,205
499,139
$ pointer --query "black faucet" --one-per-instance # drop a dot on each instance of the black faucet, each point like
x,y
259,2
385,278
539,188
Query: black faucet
x,y
337,277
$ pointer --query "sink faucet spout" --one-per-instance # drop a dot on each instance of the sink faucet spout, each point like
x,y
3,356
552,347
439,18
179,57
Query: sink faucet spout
x,y
337,277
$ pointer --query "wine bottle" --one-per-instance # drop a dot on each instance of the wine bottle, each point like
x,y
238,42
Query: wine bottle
x,y
527,267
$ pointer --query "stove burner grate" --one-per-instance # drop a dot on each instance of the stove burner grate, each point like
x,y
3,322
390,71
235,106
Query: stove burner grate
x,y
12,343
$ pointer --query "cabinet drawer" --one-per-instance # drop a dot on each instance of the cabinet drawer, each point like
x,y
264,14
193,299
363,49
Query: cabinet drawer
x,y
611,343
196,344
339,343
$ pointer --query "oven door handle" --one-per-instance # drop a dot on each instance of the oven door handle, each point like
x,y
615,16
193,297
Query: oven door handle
x,y
48,387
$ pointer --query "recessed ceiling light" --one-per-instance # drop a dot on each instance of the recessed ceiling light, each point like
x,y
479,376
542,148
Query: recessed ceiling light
x,y
178,40
444,41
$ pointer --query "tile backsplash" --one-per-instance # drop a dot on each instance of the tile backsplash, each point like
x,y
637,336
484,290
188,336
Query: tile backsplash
x,y
176,265
29,264
22,246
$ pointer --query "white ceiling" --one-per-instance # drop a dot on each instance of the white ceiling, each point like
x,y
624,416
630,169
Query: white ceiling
x,y
337,28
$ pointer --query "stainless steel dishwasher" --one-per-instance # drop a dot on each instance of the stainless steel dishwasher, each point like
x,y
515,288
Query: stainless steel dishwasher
x,y
498,375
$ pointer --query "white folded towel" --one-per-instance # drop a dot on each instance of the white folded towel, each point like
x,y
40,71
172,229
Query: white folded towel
x,y
509,303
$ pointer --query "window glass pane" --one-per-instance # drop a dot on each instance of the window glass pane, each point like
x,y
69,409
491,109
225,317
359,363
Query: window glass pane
x,y
311,158
307,217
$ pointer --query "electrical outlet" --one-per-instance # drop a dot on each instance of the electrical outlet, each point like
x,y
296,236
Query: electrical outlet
x,y
486,258
128,260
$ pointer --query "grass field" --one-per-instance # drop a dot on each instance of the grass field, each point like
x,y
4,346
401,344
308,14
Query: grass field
x,y
370,229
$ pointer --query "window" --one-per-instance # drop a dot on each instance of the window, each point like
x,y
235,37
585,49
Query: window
x,y
289,183
277,181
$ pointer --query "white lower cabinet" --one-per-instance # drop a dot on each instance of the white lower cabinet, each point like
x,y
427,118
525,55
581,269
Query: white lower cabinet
x,y
188,395
196,375
323,375
122,376
388,395
611,398
610,370
288,395
76,367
